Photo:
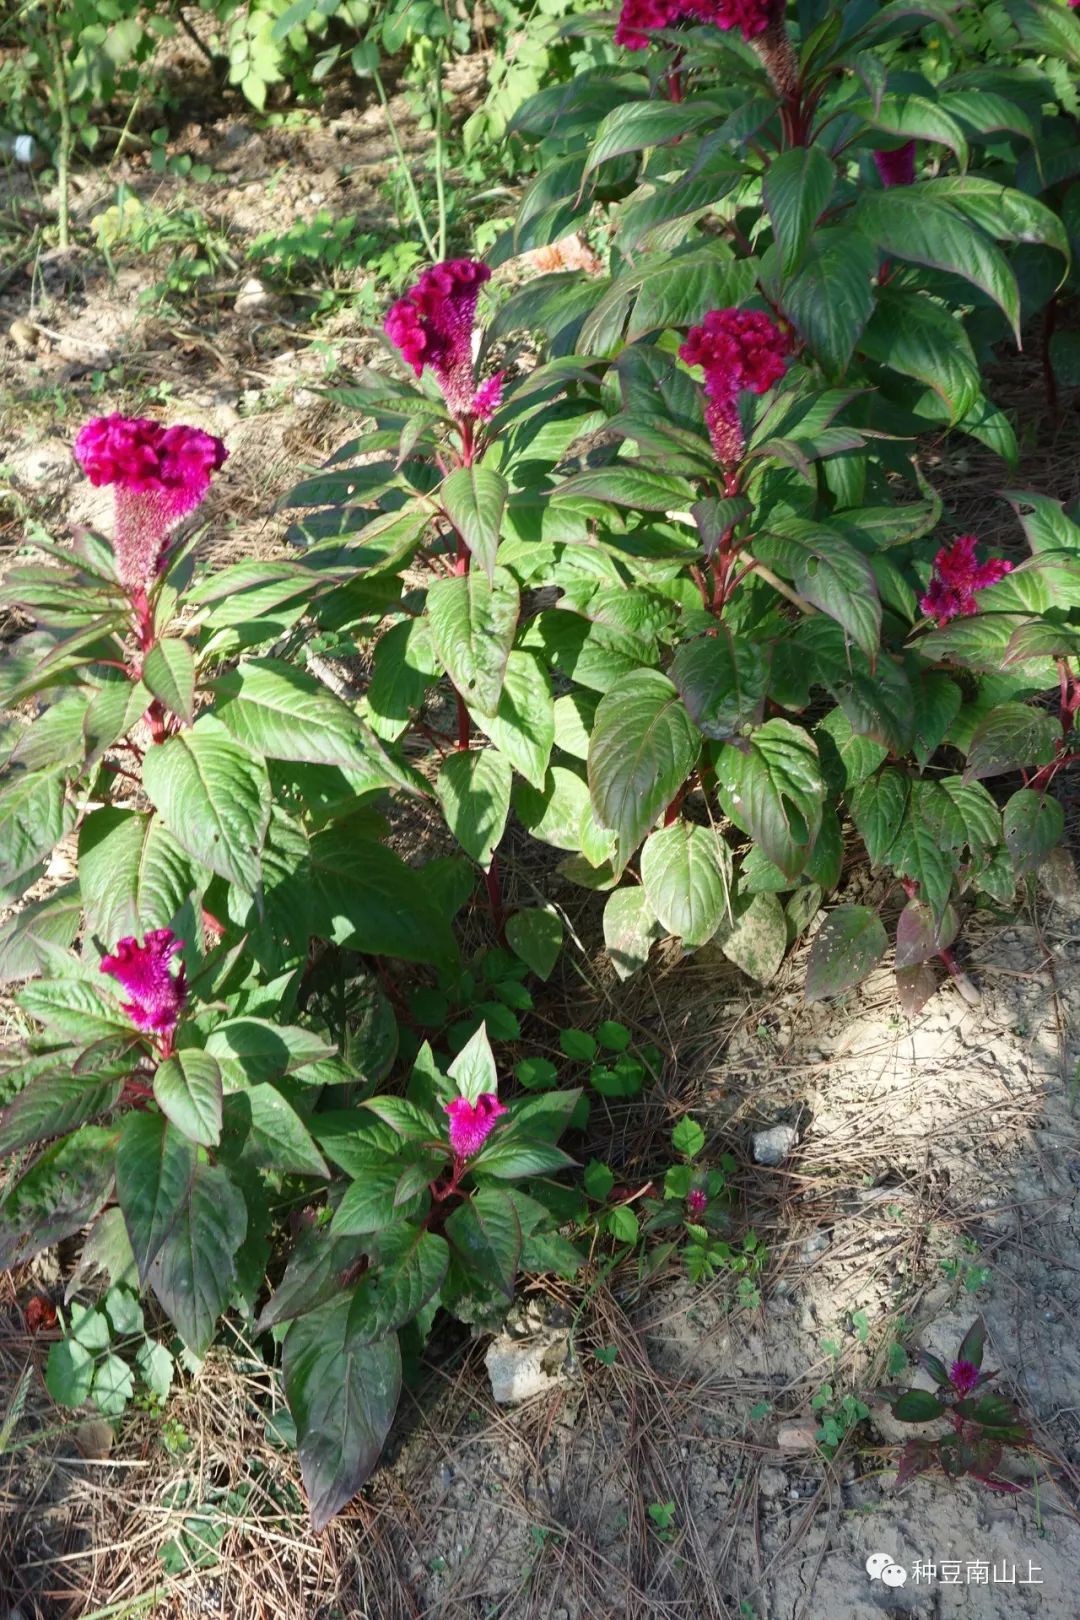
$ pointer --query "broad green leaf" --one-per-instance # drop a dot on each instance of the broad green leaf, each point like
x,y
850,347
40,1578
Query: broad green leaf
x,y
757,937
556,814
282,712
133,874
858,756
78,1009
917,1406
686,872
114,1386
473,1070
168,673
474,499
251,1050
848,945
187,1089
403,669
365,898
155,1167
34,815
509,1157
536,935
406,1271
914,117
523,726
829,571
369,1203
878,805
53,1104
643,747
1011,736
194,1269
214,797
69,1373
472,627
920,935
1034,825
773,789
920,230
486,1233
631,928
269,1132
920,338
796,190
921,852
627,484
722,679
473,787
61,1191
317,1270
343,1402
830,299
937,703
681,289
638,124
29,936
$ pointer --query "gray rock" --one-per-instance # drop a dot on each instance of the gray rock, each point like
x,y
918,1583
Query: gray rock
x,y
521,1368
774,1145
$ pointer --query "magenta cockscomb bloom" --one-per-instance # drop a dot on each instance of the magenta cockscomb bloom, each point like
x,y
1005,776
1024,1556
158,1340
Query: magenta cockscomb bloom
x,y
641,18
433,326
697,1202
957,576
159,474
963,1376
897,168
472,1123
737,349
145,971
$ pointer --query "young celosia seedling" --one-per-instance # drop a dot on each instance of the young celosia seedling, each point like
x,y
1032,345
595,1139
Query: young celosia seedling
x,y
433,326
158,995
697,1202
159,475
897,168
472,1123
957,576
737,349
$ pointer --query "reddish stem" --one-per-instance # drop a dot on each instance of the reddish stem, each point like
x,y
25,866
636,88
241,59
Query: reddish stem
x,y
674,83
494,893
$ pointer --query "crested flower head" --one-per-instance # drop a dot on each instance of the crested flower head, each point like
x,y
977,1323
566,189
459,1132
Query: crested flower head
x,y
471,1123
957,576
433,326
736,349
145,971
751,17
897,168
963,1376
697,1202
159,475
640,18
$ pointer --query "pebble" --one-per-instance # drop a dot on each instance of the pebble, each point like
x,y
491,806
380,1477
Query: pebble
x,y
815,1244
521,1368
253,298
773,1145
771,1481
796,1437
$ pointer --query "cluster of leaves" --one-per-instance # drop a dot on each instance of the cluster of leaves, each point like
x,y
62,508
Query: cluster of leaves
x,y
692,682
982,1425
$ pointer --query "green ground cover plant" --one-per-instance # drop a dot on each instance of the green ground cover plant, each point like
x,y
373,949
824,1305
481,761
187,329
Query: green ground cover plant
x,y
648,560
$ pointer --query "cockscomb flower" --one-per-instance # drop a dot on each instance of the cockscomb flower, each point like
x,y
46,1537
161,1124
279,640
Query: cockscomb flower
x,y
472,1123
751,17
433,326
146,973
897,168
963,1376
697,1202
957,576
736,349
640,18
159,475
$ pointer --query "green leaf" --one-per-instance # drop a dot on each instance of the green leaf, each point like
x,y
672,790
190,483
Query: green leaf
x,y
156,1368
917,1406
187,1089
796,190
365,898
274,709
267,1131
473,1070
922,851
688,1138
343,1401
155,1168
34,815
757,938
523,727
920,935
133,874
69,1373
75,1008
474,499
486,1234
848,945
509,1157
598,1180
251,1050
214,797
631,927
406,1271
922,339
830,573
773,789
61,1191
194,1269
831,298
1010,736
1034,824
678,291
686,871
557,814
472,627
369,1202
878,806
628,484
53,1104
638,124
643,747
973,1344
914,117
473,787
722,680
536,935
168,673
114,1386
920,230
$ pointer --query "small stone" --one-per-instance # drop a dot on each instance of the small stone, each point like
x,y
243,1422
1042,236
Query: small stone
x,y
815,1244
94,1439
773,1145
24,335
796,1437
253,298
771,1481
521,1368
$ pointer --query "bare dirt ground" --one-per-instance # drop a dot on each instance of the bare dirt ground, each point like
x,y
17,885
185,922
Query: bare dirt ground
x,y
935,1176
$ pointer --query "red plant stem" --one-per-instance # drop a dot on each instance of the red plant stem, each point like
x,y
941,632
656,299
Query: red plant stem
x,y
671,814
144,630
468,446
494,893
674,82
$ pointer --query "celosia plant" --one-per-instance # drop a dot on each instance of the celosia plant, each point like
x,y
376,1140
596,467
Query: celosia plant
x,y
146,972
433,326
982,1426
956,578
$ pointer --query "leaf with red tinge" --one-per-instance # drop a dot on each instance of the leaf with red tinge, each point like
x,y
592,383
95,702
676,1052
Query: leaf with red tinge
x,y
974,1343
914,987
919,936
917,1406
850,942
916,1457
